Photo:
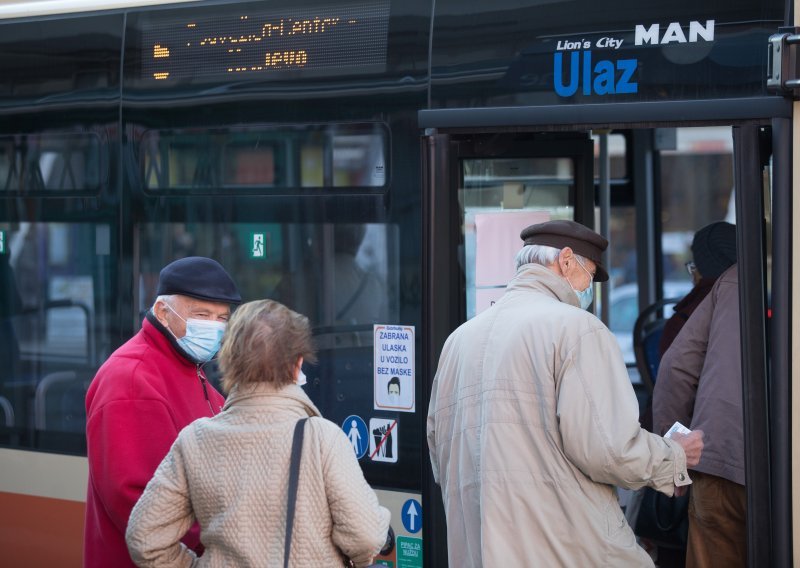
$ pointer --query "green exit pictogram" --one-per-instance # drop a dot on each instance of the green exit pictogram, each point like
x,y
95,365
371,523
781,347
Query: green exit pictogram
x,y
258,245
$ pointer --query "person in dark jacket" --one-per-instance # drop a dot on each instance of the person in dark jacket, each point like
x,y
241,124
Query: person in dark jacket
x,y
700,384
145,394
713,252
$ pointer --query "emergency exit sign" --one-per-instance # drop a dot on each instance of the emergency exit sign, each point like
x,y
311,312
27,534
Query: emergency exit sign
x,y
258,245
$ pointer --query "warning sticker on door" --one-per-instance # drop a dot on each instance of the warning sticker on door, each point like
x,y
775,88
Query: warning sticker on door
x,y
394,368
409,552
383,440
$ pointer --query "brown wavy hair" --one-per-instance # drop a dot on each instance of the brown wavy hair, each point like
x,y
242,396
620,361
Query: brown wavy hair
x,y
262,343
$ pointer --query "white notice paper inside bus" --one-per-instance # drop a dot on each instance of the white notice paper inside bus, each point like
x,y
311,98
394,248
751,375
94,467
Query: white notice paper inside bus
x,y
394,368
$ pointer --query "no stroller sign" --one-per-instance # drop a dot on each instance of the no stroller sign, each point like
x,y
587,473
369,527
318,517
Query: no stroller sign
x,y
394,368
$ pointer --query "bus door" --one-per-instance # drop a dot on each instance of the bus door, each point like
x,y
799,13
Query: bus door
x,y
480,191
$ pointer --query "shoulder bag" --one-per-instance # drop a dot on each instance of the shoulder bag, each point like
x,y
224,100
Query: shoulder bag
x,y
294,476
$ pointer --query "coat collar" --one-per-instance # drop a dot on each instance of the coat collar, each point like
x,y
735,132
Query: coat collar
x,y
696,294
163,340
538,278
264,394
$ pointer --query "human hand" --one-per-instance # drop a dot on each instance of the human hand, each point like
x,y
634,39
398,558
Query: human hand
x,y
680,491
692,445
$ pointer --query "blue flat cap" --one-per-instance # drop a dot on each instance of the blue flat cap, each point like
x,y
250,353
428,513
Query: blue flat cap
x,y
198,277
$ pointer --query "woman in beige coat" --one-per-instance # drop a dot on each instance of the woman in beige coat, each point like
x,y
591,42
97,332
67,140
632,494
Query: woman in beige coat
x,y
231,472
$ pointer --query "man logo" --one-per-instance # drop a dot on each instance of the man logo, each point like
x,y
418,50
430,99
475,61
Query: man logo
x,y
674,33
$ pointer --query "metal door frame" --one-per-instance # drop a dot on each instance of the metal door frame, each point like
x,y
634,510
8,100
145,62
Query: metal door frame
x,y
441,155
765,393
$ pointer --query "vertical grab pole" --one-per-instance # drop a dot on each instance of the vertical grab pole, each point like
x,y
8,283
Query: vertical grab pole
x,y
780,334
605,214
750,250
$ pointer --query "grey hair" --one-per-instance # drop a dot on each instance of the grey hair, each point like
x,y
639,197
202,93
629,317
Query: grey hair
x,y
537,254
166,298
540,254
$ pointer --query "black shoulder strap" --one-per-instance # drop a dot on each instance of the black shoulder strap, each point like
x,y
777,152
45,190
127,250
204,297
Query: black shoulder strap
x,y
294,475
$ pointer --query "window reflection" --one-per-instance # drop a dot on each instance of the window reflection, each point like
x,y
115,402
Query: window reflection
x,y
343,277
52,161
53,313
295,156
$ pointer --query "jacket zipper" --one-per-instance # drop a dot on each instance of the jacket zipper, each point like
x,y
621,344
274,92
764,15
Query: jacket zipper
x,y
203,381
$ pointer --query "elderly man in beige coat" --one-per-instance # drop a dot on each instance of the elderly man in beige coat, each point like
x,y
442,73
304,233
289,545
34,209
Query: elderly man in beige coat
x,y
533,421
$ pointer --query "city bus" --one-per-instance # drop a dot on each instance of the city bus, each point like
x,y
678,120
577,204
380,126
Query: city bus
x,y
370,163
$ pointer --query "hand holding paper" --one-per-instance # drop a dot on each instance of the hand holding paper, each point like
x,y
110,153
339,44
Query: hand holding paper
x,y
690,441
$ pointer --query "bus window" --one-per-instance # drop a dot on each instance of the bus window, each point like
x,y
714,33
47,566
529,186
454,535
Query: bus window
x,y
52,161
696,188
51,329
237,158
359,160
294,265
343,276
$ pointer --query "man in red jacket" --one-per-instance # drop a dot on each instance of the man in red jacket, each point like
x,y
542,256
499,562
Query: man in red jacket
x,y
145,393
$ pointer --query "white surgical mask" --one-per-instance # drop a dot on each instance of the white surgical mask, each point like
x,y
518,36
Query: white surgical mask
x,y
586,296
301,379
203,338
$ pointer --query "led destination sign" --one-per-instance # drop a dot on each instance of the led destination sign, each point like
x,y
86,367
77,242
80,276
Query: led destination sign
x,y
343,39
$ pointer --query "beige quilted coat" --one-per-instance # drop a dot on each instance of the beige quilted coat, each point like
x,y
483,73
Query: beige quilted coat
x,y
231,473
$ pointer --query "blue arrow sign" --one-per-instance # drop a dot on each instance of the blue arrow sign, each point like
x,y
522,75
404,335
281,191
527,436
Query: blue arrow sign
x,y
412,516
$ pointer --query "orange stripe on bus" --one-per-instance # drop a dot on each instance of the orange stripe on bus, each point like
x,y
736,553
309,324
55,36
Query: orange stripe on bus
x,y
38,531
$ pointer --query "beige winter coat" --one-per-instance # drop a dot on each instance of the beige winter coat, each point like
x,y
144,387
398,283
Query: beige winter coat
x,y
231,473
532,421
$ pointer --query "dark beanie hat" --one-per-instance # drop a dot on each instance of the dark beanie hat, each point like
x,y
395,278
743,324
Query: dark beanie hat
x,y
198,277
714,249
562,233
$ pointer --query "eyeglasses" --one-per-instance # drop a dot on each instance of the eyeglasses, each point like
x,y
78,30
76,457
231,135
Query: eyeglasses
x,y
690,268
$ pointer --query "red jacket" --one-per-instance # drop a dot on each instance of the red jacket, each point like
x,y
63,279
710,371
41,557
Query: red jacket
x,y
141,397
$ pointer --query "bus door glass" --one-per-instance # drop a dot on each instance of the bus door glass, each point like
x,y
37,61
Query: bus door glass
x,y
499,197
481,191
500,185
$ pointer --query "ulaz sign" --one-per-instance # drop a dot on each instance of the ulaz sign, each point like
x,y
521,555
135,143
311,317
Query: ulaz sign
x,y
594,75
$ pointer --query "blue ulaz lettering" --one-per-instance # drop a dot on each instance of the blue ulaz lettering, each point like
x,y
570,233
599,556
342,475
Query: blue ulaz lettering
x,y
600,79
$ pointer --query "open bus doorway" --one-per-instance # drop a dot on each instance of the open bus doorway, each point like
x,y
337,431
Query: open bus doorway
x,y
651,225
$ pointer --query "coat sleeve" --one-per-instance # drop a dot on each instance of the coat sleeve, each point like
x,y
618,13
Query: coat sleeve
x,y
360,524
431,431
444,373
680,369
127,440
162,515
598,421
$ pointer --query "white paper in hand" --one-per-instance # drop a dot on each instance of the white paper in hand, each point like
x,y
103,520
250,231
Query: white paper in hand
x,y
679,428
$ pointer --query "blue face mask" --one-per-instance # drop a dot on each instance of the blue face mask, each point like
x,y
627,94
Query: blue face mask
x,y
586,296
203,338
